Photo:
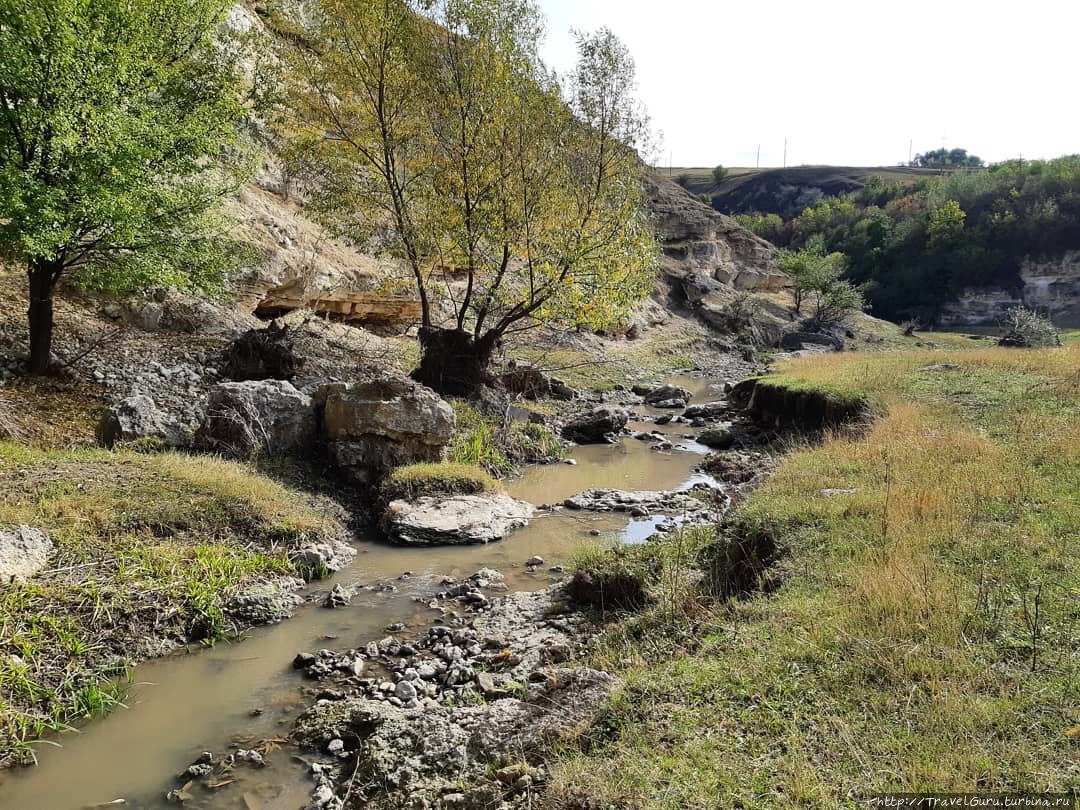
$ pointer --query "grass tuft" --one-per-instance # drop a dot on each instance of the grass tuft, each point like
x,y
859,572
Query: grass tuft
x,y
432,480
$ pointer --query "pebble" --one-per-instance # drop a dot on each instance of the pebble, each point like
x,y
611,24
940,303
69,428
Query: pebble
x,y
535,560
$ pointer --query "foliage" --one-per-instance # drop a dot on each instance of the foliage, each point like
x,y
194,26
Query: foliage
x,y
118,137
431,132
817,278
719,173
1029,329
910,593
419,480
920,244
947,159
767,226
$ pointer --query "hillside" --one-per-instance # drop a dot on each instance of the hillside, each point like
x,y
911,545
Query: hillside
x,y
787,191
956,249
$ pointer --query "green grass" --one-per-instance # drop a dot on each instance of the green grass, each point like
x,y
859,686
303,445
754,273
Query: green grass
x,y
902,651
420,480
499,445
148,548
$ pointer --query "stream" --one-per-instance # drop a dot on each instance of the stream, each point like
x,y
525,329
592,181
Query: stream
x,y
240,694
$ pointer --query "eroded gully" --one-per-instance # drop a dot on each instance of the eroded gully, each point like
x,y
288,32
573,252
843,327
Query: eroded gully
x,y
244,694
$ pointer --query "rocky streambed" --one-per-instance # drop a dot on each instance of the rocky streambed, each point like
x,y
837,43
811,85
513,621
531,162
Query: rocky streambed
x,y
438,687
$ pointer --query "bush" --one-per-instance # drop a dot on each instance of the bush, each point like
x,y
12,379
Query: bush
x,y
719,173
1029,329
418,480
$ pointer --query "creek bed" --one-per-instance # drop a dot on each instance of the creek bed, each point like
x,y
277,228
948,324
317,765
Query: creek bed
x,y
245,693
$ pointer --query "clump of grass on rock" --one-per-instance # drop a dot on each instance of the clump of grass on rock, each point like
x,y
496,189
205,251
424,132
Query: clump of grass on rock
x,y
434,480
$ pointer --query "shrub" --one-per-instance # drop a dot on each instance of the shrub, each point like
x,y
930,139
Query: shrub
x,y
419,480
1029,329
719,173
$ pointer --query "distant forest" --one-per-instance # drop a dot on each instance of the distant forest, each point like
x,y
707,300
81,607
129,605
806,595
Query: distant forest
x,y
916,245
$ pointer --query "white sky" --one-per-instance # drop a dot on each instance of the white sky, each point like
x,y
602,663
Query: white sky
x,y
847,82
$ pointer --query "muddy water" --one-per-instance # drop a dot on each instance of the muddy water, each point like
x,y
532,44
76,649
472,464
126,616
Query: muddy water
x,y
243,694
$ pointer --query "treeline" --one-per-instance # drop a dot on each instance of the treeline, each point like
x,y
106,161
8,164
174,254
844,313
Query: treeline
x,y
916,245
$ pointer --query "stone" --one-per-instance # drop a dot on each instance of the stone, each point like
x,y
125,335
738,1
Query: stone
x,y
405,691
535,560
24,551
374,426
706,410
136,417
666,393
460,519
597,426
531,383
339,596
264,603
801,340
719,437
259,416
330,556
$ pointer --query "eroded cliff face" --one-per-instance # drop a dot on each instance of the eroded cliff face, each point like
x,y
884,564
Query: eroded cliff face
x,y
1050,286
1053,286
698,240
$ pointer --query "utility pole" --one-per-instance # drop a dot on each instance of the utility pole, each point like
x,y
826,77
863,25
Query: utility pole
x,y
785,151
910,143
757,163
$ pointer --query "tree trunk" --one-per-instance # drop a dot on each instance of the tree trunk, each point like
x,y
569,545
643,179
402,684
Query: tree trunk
x,y
43,277
452,362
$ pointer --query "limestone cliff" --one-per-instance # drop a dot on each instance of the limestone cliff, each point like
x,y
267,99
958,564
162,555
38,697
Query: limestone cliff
x,y
1050,286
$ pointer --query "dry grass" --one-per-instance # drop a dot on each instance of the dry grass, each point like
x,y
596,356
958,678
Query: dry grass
x,y
903,651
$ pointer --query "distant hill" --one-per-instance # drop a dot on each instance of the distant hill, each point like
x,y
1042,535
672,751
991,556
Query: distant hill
x,y
786,191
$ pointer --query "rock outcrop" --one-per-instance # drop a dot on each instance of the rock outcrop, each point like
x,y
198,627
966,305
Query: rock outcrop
x,y
703,243
374,426
455,520
1049,286
264,416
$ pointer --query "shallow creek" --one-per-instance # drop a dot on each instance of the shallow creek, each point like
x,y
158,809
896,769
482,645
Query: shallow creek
x,y
241,694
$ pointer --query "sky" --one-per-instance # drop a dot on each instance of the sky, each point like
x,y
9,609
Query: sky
x,y
846,83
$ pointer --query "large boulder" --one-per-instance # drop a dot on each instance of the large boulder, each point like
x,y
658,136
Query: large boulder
x,y
455,520
667,393
258,416
599,425
374,426
136,417
793,341
24,551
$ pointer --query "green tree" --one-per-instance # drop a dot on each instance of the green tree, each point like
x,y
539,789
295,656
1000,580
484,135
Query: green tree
x,y
433,133
947,159
111,115
719,173
816,277
945,226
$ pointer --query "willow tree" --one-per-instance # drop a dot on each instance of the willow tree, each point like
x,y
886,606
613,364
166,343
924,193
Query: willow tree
x,y
112,116
435,134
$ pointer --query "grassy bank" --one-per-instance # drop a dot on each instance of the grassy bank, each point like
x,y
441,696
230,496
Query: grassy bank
x,y
926,635
148,550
